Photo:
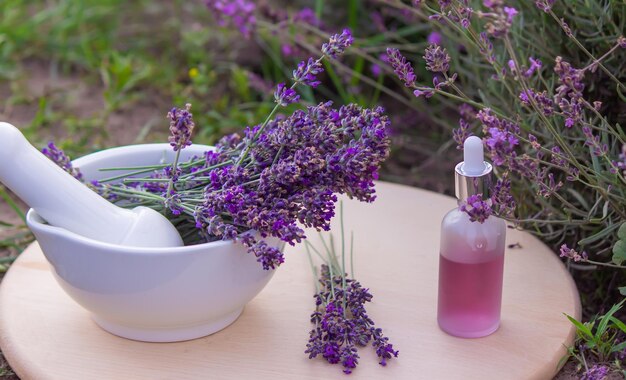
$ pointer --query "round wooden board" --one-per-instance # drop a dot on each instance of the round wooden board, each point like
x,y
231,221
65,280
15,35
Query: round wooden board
x,y
45,335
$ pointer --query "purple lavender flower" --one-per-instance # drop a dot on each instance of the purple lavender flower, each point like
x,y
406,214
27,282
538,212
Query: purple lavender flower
x,y
237,13
535,65
434,38
401,67
337,44
544,5
173,203
437,59
285,95
545,104
426,93
486,47
181,126
443,4
492,3
501,198
307,72
569,94
338,331
476,208
461,133
287,50
501,145
510,13
499,18
307,15
501,140
546,190
597,372
62,160
593,142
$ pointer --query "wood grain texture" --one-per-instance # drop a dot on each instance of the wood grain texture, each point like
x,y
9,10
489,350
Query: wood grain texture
x,y
45,335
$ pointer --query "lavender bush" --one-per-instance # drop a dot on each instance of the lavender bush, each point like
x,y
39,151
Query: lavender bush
x,y
543,88
558,148
279,177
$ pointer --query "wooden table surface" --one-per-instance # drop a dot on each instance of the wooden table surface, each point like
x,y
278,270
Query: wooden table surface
x,y
45,335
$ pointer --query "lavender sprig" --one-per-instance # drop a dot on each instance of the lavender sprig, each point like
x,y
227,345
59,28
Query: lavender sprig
x,y
181,127
62,160
305,74
342,324
476,208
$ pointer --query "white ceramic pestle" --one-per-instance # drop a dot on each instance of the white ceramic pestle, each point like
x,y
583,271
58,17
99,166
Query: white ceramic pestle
x,y
66,203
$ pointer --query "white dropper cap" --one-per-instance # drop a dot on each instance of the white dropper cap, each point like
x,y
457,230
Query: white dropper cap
x,y
472,176
473,156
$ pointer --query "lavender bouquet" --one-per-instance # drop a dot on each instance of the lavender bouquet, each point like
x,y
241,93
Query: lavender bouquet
x,y
341,322
279,177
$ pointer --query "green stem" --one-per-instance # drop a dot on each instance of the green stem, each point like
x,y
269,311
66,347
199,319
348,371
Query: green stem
x,y
170,186
582,47
605,264
313,268
343,257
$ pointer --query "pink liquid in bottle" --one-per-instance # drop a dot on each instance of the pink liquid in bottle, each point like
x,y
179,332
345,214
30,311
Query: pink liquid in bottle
x,y
470,296
471,263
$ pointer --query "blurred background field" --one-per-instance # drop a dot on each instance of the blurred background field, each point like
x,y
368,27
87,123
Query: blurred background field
x,y
93,74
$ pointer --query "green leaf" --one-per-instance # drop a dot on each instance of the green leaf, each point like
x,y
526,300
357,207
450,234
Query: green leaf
x,y
597,236
621,233
619,324
619,347
622,290
581,327
619,252
604,320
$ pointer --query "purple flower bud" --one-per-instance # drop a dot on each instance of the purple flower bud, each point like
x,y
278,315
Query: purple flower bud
x,y
510,13
426,93
571,253
437,59
59,157
337,44
434,38
535,64
502,199
285,95
476,208
306,73
237,13
545,5
181,126
401,67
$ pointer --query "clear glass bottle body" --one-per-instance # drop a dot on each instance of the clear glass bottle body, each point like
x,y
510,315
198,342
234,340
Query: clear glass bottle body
x,y
471,264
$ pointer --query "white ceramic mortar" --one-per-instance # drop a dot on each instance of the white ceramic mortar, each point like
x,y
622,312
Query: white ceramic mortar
x,y
151,294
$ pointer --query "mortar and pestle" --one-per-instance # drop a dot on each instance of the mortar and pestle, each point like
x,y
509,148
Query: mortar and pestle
x,y
128,267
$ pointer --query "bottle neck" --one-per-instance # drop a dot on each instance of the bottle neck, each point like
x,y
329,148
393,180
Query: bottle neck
x,y
467,185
